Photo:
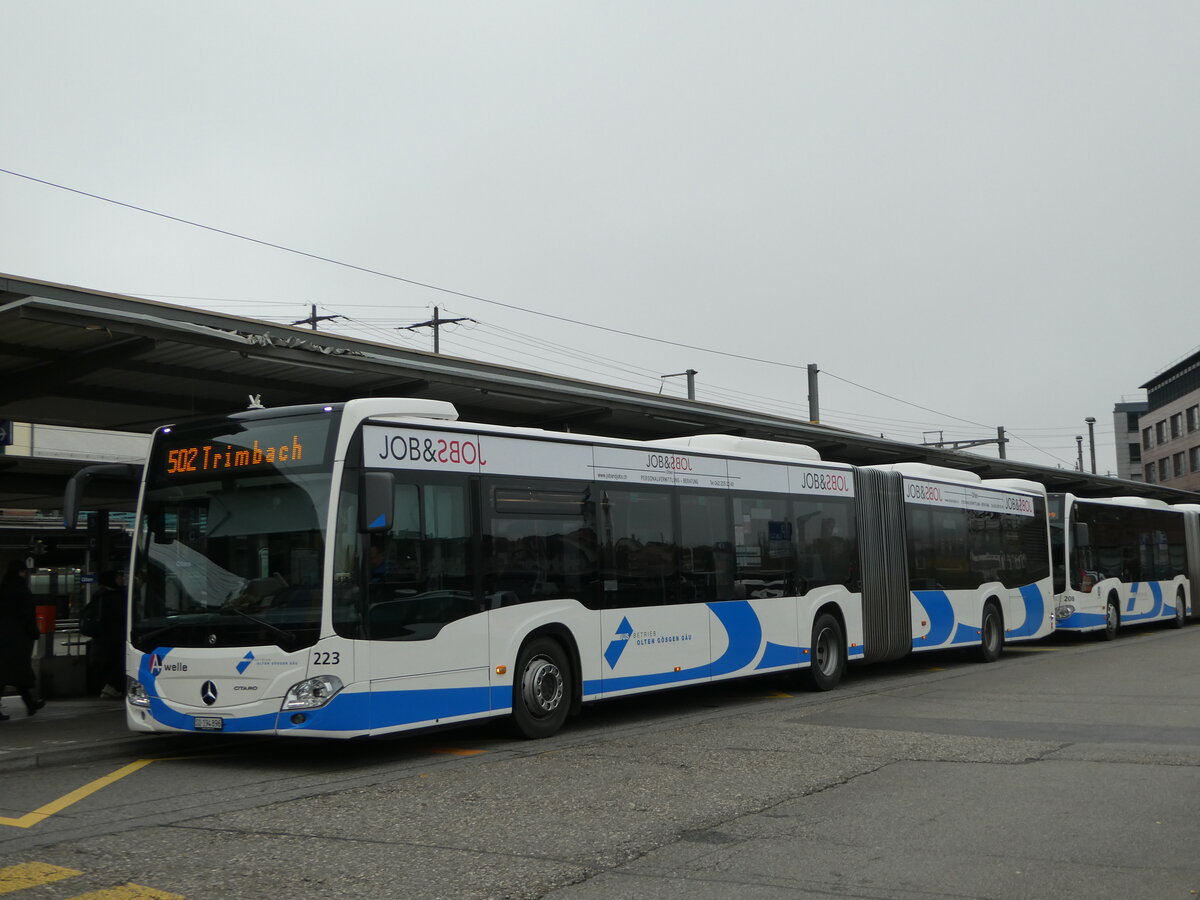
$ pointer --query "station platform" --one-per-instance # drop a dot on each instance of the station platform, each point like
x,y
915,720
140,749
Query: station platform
x,y
65,732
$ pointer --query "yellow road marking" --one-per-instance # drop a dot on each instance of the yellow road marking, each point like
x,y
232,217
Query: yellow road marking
x,y
779,695
55,806
27,875
451,751
128,892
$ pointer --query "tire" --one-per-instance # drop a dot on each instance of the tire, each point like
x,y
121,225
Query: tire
x,y
828,662
542,689
1112,619
991,633
1180,610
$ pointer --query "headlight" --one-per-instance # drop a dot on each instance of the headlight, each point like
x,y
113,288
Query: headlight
x,y
135,693
1062,612
311,694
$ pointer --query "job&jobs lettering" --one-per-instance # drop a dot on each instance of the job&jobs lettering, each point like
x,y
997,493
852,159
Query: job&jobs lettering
x,y
445,451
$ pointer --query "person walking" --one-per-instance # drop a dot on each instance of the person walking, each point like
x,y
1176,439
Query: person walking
x,y
109,640
18,631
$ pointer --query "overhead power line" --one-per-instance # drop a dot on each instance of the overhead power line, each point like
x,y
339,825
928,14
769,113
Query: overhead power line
x,y
433,287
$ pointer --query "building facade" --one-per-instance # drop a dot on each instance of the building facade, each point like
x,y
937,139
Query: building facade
x,y
1127,431
1170,427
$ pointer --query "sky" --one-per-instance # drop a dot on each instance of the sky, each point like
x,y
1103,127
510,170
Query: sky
x,y
966,214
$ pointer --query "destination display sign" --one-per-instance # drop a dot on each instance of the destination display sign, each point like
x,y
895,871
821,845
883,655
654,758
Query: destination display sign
x,y
272,446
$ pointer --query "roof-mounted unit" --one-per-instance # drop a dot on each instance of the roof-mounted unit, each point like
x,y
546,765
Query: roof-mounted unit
x,y
384,408
741,446
937,473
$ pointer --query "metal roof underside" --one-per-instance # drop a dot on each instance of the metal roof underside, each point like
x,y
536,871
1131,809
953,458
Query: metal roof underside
x,y
83,358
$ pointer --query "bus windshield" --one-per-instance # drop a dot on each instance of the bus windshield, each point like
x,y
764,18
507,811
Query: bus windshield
x,y
230,544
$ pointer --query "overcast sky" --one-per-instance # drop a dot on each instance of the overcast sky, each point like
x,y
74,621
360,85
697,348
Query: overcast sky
x,y
966,214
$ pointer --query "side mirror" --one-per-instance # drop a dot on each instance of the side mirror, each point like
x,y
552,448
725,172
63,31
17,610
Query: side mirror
x,y
375,502
1080,536
124,473
158,527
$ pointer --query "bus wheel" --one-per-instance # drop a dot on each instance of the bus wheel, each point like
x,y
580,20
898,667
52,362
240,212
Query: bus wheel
x,y
1180,610
828,654
1112,619
991,633
542,689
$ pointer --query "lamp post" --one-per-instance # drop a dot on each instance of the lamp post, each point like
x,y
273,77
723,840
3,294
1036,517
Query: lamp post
x,y
1091,424
1079,447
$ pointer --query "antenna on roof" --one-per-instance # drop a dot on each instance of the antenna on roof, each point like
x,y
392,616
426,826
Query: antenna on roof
x,y
256,402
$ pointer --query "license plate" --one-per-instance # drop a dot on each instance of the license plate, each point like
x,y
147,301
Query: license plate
x,y
209,723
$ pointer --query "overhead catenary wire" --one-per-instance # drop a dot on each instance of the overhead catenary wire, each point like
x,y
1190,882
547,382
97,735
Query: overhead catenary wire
x,y
455,293
478,298
638,377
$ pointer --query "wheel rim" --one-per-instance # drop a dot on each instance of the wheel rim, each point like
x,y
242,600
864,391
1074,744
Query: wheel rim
x,y
825,653
1180,609
1110,617
542,686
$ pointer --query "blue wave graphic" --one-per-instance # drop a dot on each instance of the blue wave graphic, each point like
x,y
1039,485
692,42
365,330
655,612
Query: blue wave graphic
x,y
1035,612
1156,610
776,655
941,617
745,636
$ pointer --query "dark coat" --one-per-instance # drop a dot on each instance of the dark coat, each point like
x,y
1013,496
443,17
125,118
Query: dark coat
x,y
18,631
108,644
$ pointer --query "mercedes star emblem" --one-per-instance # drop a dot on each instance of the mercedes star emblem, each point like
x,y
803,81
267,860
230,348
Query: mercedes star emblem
x,y
208,693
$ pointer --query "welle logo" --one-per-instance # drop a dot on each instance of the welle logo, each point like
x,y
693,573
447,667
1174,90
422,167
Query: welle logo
x,y
159,665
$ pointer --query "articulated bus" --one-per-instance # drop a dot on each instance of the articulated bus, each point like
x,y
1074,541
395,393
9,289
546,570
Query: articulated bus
x,y
1121,560
377,566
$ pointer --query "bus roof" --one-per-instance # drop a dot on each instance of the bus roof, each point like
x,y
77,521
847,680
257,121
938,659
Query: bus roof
x,y
924,470
732,445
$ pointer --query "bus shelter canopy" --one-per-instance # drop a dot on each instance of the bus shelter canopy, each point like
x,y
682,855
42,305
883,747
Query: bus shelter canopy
x,y
88,359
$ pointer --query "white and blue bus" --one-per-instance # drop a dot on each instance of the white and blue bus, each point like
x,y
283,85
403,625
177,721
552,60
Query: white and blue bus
x,y
1120,561
377,566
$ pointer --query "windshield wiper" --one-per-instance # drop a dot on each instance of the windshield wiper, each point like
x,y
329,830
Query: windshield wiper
x,y
151,637
287,636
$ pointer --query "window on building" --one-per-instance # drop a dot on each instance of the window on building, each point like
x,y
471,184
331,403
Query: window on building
x,y
1193,418
1160,432
1164,469
1194,453
1135,453
1177,425
1146,442
1150,473
1178,460
1131,422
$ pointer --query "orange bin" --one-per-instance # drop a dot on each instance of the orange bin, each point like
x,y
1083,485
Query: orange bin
x,y
47,619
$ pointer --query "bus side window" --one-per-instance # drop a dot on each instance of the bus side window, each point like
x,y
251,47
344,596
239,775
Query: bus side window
x,y
706,565
418,574
640,551
765,552
539,543
827,541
